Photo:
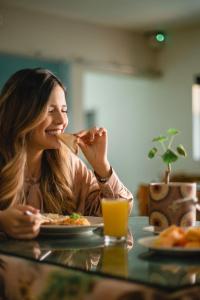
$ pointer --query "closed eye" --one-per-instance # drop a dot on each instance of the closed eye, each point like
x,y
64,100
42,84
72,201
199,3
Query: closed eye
x,y
65,110
54,110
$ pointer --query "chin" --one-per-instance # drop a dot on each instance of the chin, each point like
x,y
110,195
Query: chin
x,y
52,146
56,147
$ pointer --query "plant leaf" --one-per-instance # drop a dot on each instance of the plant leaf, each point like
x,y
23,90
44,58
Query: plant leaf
x,y
172,131
181,150
169,156
160,138
75,216
152,152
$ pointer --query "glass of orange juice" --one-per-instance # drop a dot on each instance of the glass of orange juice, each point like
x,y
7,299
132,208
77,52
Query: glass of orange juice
x,y
115,217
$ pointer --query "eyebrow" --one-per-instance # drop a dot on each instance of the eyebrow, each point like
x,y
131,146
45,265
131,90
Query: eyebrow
x,y
64,105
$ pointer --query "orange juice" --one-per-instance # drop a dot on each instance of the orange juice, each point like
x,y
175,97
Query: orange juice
x,y
115,217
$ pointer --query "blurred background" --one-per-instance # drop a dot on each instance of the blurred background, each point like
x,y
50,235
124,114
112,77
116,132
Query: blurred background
x,y
129,66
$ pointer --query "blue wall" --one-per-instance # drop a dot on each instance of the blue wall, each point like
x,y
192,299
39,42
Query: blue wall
x,y
9,64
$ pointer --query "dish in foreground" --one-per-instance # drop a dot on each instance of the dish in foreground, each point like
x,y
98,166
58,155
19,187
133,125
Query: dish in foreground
x,y
174,240
55,230
56,219
175,236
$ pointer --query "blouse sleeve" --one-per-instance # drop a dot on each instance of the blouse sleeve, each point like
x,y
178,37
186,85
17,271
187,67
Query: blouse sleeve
x,y
88,191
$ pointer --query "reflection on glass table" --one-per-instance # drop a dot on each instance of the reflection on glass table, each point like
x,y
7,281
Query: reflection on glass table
x,y
130,260
172,271
87,251
40,281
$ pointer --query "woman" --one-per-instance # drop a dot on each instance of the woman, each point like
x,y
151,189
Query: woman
x,y
37,169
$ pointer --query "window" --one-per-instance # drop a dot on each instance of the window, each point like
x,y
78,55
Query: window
x,y
196,117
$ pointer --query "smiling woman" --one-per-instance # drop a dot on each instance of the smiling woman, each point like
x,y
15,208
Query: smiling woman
x,y
37,168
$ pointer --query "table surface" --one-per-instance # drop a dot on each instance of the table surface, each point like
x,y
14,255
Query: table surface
x,y
128,261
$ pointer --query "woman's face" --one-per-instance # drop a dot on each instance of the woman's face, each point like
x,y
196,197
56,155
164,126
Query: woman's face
x,y
54,122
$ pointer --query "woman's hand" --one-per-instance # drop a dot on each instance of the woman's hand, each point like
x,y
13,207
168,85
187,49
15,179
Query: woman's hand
x,y
15,223
93,143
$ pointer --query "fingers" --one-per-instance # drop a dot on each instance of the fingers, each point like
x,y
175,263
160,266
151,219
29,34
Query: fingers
x,y
18,225
26,223
89,136
24,232
29,208
81,133
29,220
28,215
27,229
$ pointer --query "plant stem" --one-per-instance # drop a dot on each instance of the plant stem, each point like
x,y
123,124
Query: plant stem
x,y
167,174
163,145
170,142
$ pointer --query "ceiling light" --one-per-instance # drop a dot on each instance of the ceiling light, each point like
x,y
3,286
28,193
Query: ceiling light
x,y
160,37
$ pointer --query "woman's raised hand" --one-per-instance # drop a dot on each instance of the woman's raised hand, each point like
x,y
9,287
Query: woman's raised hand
x,y
16,223
93,143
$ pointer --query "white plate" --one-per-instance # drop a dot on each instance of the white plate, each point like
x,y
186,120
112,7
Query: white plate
x,y
148,242
60,230
153,229
157,230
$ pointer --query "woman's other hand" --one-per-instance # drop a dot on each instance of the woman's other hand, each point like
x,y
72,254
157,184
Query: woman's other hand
x,y
17,224
93,143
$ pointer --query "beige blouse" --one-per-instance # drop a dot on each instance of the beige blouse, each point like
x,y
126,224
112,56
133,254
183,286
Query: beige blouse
x,y
86,188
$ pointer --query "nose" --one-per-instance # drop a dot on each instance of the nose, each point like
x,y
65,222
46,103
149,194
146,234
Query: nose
x,y
60,118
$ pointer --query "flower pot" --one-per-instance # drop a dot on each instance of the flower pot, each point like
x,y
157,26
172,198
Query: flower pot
x,y
172,203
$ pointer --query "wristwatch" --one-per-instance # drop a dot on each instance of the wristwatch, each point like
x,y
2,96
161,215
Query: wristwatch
x,y
103,179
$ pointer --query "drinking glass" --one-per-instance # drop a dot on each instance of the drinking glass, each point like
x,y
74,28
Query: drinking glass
x,y
115,216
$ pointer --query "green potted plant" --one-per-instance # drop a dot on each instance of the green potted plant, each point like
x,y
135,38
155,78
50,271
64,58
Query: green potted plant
x,y
168,155
170,202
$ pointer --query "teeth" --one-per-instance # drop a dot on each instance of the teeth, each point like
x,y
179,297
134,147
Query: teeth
x,y
53,132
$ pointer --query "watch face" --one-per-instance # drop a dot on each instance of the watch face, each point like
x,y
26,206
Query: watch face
x,y
103,179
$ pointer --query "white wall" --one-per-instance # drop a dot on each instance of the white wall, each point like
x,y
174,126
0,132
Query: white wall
x,y
48,36
181,62
130,109
136,109
32,33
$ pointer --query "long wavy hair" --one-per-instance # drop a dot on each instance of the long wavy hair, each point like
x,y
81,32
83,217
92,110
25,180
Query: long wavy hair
x,y
23,101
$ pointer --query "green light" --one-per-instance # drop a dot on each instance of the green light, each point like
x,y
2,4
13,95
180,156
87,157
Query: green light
x,y
160,37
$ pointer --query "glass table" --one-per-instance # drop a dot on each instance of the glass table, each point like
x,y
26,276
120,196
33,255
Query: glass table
x,y
87,255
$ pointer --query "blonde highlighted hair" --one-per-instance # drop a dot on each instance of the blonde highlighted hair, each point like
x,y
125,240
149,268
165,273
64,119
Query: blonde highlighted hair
x,y
23,101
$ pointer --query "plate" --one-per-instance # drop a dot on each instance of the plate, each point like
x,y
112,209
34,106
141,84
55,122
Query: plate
x,y
157,230
153,229
148,242
62,230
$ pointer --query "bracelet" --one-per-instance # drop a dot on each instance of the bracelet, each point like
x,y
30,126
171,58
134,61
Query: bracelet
x,y
103,179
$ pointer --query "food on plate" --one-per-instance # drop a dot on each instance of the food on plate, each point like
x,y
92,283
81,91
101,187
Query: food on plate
x,y
56,219
192,244
175,236
49,218
70,141
193,234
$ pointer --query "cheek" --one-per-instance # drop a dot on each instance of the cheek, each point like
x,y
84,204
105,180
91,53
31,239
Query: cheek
x,y
43,125
37,133
66,121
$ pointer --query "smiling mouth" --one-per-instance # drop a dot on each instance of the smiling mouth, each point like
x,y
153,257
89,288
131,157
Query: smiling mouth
x,y
53,132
